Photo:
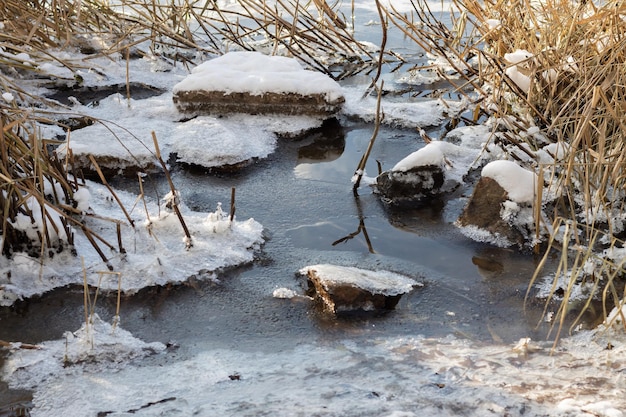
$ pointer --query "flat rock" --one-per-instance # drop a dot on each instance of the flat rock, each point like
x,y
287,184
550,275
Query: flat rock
x,y
254,83
344,289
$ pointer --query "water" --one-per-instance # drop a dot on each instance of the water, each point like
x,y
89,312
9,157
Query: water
x,y
302,194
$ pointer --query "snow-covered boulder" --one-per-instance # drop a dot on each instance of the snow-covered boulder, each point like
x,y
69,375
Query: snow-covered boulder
x,y
342,288
417,178
500,209
254,83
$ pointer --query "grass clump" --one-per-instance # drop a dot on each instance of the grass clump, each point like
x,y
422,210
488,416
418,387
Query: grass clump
x,y
552,76
36,197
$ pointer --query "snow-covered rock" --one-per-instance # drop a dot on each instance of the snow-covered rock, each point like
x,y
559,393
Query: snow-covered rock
x,y
342,288
254,83
500,209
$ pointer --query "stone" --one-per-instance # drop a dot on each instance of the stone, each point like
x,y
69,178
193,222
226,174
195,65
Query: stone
x,y
483,211
254,83
345,289
219,102
415,185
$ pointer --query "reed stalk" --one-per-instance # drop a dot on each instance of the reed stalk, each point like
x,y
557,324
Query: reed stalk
x,y
575,97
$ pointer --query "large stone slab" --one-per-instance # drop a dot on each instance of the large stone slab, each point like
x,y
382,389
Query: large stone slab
x,y
343,289
254,83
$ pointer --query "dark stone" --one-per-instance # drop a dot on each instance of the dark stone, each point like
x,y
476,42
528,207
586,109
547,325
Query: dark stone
x,y
417,184
483,211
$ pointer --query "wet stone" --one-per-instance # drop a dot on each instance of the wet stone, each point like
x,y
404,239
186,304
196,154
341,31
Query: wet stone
x,y
345,289
483,211
415,185
91,95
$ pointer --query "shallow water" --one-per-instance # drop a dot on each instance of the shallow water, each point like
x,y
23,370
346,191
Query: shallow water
x,y
302,195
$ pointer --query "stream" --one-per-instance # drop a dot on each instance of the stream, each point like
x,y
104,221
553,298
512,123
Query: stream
x,y
302,195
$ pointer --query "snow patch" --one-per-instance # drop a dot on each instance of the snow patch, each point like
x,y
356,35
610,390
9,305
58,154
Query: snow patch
x,y
518,182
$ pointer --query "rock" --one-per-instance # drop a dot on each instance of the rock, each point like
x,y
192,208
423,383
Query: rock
x,y
414,185
500,210
343,289
483,212
419,177
219,102
253,83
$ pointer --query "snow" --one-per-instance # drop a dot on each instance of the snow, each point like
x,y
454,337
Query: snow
x,y
376,282
98,369
155,252
519,183
517,59
457,154
126,125
256,74
420,114
101,368
284,293
428,155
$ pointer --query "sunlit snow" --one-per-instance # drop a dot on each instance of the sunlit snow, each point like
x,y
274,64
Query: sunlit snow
x,y
102,369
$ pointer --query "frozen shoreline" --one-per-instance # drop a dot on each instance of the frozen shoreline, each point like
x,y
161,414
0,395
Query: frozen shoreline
x,y
393,376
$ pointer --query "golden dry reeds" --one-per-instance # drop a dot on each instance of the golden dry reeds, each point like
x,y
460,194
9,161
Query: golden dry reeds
x,y
176,30
558,67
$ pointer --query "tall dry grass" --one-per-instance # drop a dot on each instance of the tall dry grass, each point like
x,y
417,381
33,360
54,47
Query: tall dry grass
x,y
570,90
178,31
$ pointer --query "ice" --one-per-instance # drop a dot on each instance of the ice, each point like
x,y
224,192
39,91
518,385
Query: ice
x,y
155,252
400,376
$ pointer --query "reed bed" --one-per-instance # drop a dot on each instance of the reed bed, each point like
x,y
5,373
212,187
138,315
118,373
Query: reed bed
x,y
550,72
38,187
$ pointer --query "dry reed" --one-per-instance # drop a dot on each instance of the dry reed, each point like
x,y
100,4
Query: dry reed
x,y
571,90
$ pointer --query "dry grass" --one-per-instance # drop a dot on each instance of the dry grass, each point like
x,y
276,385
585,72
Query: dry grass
x,y
576,94
576,97
35,184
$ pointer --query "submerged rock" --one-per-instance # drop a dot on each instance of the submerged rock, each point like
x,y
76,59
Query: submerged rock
x,y
343,289
253,83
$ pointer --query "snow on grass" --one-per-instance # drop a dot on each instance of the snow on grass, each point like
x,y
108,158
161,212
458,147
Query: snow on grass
x,y
95,345
517,58
155,250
